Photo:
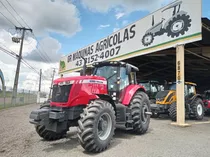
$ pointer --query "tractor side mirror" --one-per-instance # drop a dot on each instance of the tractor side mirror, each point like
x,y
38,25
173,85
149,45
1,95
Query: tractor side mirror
x,y
128,70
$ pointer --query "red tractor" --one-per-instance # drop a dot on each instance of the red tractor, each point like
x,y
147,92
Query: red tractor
x,y
110,98
206,100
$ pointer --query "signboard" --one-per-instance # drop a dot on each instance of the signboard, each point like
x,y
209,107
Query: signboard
x,y
177,23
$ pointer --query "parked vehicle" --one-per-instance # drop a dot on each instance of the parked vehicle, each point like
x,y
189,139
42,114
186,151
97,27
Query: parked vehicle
x,y
166,102
96,104
206,100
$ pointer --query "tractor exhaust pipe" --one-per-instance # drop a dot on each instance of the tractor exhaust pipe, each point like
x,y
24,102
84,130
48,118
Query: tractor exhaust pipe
x,y
83,71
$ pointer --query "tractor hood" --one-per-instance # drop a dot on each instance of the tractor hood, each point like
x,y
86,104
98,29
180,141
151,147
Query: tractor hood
x,y
162,94
78,79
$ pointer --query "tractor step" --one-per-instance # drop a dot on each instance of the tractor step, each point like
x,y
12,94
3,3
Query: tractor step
x,y
122,126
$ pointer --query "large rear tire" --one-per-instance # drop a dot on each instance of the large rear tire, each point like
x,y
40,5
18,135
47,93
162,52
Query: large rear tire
x,y
96,126
198,109
140,106
172,111
46,134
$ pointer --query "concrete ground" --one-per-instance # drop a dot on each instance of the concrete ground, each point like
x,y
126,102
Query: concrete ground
x,y
19,139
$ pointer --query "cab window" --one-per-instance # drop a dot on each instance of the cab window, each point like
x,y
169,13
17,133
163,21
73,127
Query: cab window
x,y
124,80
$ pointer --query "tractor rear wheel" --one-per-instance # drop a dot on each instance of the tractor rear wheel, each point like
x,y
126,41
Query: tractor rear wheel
x,y
198,109
172,111
140,106
96,126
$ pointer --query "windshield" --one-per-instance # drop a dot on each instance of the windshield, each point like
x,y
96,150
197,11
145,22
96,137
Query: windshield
x,y
207,96
110,73
172,87
146,86
60,93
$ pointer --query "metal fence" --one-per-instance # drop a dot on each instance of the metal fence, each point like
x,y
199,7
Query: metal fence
x,y
24,97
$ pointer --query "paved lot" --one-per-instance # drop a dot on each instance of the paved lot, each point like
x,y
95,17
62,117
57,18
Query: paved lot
x,y
18,139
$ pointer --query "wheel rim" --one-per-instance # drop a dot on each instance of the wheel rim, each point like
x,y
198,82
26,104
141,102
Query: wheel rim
x,y
177,26
148,39
104,126
199,109
144,116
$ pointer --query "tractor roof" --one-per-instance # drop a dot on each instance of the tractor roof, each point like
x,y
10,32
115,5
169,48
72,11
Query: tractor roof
x,y
187,83
146,81
115,63
207,91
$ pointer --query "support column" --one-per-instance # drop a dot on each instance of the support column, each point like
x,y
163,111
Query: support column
x,y
180,80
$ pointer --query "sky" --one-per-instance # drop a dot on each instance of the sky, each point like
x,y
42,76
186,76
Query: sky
x,y
61,27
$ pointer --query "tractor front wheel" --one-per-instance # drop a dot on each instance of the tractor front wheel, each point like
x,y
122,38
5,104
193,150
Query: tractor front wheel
x,y
96,126
46,134
140,107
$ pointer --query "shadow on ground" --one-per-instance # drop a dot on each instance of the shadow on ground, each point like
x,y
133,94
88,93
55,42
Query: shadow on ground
x,y
71,142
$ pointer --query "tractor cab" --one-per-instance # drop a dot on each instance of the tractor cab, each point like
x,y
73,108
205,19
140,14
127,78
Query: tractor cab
x,y
189,88
119,75
152,87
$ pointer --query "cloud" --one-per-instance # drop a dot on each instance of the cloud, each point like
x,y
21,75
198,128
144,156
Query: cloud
x,y
28,78
49,48
44,16
119,15
6,43
104,6
103,26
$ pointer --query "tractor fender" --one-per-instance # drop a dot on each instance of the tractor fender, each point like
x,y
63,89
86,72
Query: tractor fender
x,y
129,92
195,97
167,22
107,98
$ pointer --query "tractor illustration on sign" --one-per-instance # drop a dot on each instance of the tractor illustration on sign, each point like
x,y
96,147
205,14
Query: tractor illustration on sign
x,y
177,25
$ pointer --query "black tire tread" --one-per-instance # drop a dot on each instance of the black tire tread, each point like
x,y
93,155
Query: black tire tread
x,y
85,127
48,135
136,112
194,109
172,111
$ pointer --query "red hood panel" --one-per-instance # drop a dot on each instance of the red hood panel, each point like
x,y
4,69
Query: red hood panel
x,y
76,78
